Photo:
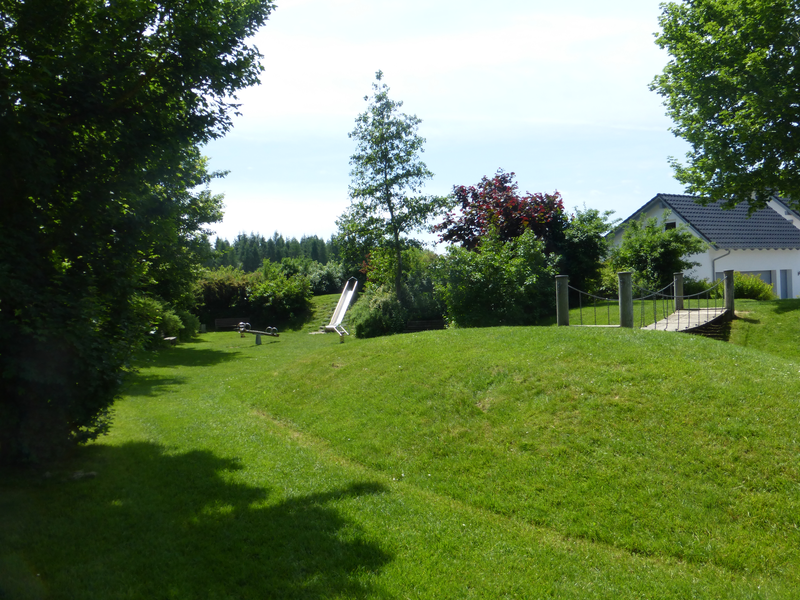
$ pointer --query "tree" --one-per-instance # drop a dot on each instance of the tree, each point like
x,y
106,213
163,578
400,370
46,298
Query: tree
x,y
585,246
386,167
495,204
103,108
655,253
732,87
176,243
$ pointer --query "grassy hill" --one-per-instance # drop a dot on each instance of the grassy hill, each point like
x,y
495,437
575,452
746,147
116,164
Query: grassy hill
x,y
527,462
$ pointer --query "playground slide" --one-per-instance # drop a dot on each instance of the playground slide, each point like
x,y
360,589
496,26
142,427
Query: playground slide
x,y
341,308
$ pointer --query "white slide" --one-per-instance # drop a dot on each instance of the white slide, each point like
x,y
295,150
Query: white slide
x,y
341,307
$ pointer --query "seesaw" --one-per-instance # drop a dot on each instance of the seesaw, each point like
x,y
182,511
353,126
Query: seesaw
x,y
245,328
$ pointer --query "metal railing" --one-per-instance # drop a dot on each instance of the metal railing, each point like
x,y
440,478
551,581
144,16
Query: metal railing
x,y
676,310
665,297
668,307
593,301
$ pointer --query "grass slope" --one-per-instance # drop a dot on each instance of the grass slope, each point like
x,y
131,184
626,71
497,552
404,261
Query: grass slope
x,y
483,463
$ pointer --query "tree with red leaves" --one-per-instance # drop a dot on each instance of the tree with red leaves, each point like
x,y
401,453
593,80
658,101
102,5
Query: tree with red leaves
x,y
496,203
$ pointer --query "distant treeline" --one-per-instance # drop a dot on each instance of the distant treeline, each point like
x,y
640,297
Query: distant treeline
x,y
248,252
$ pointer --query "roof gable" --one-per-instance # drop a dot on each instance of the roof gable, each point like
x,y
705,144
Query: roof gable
x,y
732,228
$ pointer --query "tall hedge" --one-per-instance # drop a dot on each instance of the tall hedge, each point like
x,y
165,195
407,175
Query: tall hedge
x,y
267,297
498,283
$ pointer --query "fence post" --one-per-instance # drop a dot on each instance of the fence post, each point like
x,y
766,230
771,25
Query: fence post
x,y
678,291
625,299
729,305
562,300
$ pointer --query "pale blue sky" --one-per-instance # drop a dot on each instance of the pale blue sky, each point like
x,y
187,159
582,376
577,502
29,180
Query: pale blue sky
x,y
556,92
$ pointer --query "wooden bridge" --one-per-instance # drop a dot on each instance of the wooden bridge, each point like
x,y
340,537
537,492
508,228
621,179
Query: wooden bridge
x,y
689,320
682,318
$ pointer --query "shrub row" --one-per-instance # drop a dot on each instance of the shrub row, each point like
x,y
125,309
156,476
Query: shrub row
x,y
268,297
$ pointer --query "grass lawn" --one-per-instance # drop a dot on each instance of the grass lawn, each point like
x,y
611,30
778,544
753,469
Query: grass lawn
x,y
531,462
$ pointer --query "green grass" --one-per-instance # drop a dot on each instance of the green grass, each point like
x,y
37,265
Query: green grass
x,y
466,463
770,327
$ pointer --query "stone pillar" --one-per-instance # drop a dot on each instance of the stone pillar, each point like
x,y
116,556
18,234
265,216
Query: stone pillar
x,y
625,299
729,305
678,291
562,300
202,328
258,339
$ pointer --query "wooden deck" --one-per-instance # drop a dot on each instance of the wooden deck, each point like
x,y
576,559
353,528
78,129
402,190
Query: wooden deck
x,y
686,320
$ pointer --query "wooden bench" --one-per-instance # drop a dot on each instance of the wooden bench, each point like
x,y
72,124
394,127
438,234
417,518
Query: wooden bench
x,y
230,322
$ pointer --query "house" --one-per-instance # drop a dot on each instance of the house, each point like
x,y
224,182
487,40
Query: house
x,y
766,243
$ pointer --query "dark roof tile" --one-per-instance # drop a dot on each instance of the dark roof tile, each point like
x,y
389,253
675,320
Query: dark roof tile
x,y
733,228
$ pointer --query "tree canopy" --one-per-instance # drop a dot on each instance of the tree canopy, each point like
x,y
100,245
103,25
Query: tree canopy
x,y
732,87
495,203
103,109
387,177
496,207
655,253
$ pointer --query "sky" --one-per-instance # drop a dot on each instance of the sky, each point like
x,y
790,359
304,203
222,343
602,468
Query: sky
x,y
556,92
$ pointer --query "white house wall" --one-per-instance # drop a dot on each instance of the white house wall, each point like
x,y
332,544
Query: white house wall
x,y
773,261
737,260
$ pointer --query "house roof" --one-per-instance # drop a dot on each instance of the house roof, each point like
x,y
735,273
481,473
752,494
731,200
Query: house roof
x,y
731,228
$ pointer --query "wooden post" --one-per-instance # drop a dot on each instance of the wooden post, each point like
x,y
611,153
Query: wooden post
x,y
625,299
562,300
678,291
729,304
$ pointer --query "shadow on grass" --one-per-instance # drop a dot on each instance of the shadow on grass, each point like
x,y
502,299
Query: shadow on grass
x,y
745,319
191,356
137,384
784,306
157,525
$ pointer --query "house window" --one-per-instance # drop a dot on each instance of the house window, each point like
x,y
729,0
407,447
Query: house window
x,y
670,225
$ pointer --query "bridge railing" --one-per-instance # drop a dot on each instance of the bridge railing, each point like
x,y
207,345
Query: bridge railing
x,y
593,310
660,304
591,303
670,300
662,301
701,304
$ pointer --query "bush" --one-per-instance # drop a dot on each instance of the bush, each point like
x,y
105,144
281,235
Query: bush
x,y
191,325
268,297
148,312
223,292
500,283
156,320
278,298
692,286
171,324
607,284
326,279
751,287
419,297
378,312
